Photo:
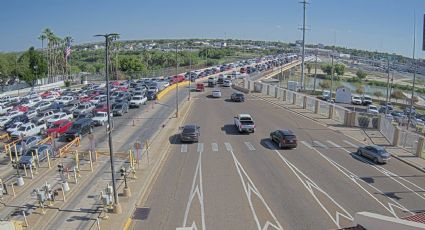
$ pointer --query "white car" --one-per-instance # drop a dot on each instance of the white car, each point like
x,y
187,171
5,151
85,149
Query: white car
x,y
14,113
65,100
4,120
137,101
356,100
372,109
60,116
50,98
227,83
417,122
216,93
14,127
100,118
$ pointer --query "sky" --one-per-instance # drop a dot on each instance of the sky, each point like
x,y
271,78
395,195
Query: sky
x,y
375,25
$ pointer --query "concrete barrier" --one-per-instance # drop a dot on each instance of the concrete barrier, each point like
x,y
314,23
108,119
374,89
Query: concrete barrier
x,y
170,88
37,88
241,89
372,221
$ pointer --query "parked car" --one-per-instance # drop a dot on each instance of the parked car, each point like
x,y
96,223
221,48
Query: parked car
x,y
60,116
138,101
43,116
79,128
120,109
366,100
100,118
58,128
356,100
237,97
284,138
29,129
200,87
150,95
190,133
375,153
21,118
83,109
29,158
25,144
372,109
227,83
13,127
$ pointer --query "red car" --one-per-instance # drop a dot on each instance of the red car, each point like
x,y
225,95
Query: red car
x,y
59,127
101,108
200,87
85,99
21,108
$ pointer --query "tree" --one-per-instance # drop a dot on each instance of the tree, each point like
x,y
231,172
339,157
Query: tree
x,y
324,85
32,66
397,95
378,94
327,68
309,66
361,74
360,90
339,69
131,64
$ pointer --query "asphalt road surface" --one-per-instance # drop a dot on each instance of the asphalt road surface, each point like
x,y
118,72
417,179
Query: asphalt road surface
x,y
242,181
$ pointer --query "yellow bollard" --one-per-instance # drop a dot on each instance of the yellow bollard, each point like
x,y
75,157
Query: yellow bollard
x,y
16,153
36,157
77,160
48,159
10,152
91,162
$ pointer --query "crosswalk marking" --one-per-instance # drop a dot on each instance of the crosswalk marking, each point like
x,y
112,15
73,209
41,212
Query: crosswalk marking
x,y
318,143
250,146
183,148
307,144
228,146
214,147
355,146
336,145
200,147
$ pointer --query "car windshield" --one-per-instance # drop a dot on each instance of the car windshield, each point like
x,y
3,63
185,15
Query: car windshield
x,y
247,122
290,137
54,126
118,107
81,107
239,95
189,129
57,116
137,98
100,115
76,126
22,128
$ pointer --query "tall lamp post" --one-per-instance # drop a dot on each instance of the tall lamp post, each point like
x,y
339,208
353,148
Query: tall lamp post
x,y
117,206
177,87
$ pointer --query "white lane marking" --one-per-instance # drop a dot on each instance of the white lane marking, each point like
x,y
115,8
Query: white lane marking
x,y
390,174
214,147
249,145
200,147
198,191
183,148
250,189
356,180
335,145
354,146
307,144
318,143
228,146
311,186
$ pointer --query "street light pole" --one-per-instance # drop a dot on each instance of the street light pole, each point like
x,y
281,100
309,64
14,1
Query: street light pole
x,y
190,75
177,87
315,72
388,86
303,47
117,207
414,73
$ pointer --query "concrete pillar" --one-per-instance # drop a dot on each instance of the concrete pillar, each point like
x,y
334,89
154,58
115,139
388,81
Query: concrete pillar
x,y
276,90
294,98
304,102
420,146
245,83
331,111
379,122
284,95
316,106
268,90
396,137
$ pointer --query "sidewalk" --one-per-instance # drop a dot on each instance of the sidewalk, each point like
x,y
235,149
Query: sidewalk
x,y
366,136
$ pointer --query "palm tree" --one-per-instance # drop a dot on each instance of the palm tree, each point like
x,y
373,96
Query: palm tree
x,y
66,68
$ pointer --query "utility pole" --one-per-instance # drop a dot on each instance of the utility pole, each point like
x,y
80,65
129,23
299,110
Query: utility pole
x,y
315,72
304,2
177,87
388,86
117,206
332,74
414,72
190,73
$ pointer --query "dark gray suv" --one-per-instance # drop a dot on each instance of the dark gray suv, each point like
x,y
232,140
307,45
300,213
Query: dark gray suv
x,y
190,133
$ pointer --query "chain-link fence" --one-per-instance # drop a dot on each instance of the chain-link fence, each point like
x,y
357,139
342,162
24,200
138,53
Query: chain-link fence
x,y
387,129
409,141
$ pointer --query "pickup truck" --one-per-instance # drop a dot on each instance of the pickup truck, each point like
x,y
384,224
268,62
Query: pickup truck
x,y
244,123
29,129
5,108
60,116
83,109
100,118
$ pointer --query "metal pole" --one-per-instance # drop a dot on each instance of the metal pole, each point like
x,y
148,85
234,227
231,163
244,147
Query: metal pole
x,y
177,87
414,73
315,73
109,130
190,75
388,86
332,75
303,47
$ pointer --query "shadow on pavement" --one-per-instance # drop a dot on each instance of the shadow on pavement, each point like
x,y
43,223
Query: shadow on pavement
x,y
174,139
362,159
268,143
230,129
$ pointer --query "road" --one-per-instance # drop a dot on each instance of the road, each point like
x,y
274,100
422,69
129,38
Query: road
x,y
238,181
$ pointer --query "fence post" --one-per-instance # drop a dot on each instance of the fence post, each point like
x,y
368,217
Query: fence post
x,y
396,138
294,98
304,102
268,90
316,106
331,111
284,95
420,146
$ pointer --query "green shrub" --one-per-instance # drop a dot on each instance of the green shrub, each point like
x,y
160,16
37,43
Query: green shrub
x,y
67,84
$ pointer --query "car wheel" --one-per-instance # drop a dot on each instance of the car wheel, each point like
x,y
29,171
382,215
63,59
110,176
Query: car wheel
x,y
359,152
375,160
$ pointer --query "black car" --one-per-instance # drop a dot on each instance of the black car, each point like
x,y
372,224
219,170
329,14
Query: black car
x,y
190,133
80,128
284,138
21,118
240,97
151,95
120,109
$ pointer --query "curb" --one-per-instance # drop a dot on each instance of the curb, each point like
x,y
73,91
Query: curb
x,y
409,163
